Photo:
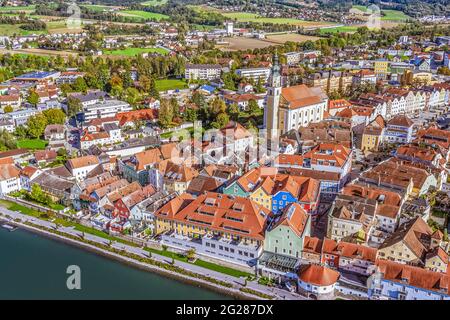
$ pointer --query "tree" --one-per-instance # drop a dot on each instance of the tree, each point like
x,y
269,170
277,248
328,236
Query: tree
x,y
80,85
165,113
21,132
153,91
190,115
7,141
233,111
33,97
8,109
190,254
221,120
254,108
133,95
55,116
36,125
73,106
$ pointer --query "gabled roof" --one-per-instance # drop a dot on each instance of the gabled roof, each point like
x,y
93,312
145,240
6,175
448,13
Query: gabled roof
x,y
294,217
82,162
219,212
415,234
414,276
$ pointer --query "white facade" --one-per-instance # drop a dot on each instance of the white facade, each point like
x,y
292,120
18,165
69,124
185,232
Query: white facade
x,y
254,73
105,109
202,72
81,173
398,291
10,185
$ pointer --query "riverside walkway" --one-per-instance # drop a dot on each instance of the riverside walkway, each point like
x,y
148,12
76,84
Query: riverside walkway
x,y
280,294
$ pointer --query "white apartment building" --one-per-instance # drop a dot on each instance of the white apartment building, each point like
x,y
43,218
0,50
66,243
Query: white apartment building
x,y
105,109
254,73
293,58
202,71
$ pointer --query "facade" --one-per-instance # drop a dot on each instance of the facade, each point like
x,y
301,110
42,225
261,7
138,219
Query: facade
x,y
224,227
254,73
202,71
9,179
394,281
82,166
105,109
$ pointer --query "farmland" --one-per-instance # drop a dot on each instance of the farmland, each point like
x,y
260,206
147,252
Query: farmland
x,y
9,30
130,52
142,15
294,37
154,2
250,17
343,29
387,15
27,9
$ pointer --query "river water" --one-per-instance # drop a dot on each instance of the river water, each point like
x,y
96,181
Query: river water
x,y
34,267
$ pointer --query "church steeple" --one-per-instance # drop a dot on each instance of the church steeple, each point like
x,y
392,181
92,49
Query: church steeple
x,y
273,100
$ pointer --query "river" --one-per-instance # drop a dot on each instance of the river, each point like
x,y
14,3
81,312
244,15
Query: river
x,y
34,267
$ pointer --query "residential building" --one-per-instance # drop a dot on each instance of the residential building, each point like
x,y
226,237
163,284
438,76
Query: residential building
x,y
202,71
217,225
82,166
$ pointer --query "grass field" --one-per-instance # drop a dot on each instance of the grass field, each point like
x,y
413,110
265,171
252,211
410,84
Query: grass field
x,y
130,52
345,29
388,15
142,15
18,8
170,84
9,30
251,17
35,144
154,2
96,7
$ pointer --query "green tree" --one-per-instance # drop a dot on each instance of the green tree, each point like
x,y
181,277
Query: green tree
x,y
33,97
80,85
254,108
36,125
73,106
165,113
55,116
8,109
233,111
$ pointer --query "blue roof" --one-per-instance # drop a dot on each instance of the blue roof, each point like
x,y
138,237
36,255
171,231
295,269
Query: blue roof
x,y
36,75
207,88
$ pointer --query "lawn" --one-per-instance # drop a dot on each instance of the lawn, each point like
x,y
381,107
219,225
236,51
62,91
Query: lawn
x,y
129,52
170,84
345,29
30,212
18,8
388,15
251,17
96,7
35,144
142,15
152,3
201,263
9,30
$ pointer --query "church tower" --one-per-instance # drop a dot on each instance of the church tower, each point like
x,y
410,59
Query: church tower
x,y
273,99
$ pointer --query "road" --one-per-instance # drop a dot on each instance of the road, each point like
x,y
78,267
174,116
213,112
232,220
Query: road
x,y
237,282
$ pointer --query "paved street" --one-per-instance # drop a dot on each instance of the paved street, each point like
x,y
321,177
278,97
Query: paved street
x,y
280,293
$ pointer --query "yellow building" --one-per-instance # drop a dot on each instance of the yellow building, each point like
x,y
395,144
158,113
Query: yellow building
x,y
262,195
381,68
415,76
373,135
